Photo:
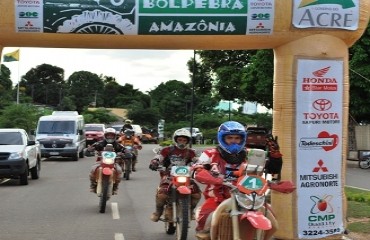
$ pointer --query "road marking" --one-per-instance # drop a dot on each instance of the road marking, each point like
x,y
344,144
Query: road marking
x,y
115,212
119,236
4,180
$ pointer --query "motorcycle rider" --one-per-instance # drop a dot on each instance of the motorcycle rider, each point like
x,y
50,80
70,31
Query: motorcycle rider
x,y
127,125
221,161
128,138
167,157
109,138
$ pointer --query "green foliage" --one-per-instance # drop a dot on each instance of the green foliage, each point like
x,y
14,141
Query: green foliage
x,y
23,116
146,117
83,88
44,84
357,195
358,210
99,115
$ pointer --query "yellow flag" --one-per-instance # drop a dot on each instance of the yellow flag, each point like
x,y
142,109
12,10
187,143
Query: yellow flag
x,y
11,57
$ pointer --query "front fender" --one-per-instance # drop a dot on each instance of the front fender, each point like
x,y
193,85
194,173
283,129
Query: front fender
x,y
257,219
184,190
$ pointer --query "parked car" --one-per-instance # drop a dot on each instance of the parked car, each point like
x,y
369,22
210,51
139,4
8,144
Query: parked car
x,y
197,135
118,129
19,156
94,132
149,135
256,137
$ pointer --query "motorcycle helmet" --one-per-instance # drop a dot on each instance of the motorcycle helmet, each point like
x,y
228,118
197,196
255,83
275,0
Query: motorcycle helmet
x,y
231,128
181,133
128,121
129,133
110,135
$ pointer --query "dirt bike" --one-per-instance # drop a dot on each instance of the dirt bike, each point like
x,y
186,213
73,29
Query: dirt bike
x,y
364,162
177,210
126,162
105,177
246,215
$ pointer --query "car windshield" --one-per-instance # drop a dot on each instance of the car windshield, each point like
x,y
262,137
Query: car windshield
x,y
94,128
117,128
10,138
56,127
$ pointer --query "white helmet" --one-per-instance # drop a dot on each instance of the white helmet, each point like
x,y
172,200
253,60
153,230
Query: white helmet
x,y
181,133
110,132
128,121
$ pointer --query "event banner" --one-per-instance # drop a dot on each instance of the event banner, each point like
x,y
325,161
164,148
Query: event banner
x,y
319,114
146,17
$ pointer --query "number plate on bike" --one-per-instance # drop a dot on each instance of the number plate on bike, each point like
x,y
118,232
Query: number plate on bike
x,y
180,171
252,183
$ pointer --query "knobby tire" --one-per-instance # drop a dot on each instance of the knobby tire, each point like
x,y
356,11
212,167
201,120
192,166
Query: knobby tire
x,y
104,195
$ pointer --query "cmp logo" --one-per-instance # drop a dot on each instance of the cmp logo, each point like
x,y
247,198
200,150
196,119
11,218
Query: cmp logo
x,y
322,104
344,3
321,204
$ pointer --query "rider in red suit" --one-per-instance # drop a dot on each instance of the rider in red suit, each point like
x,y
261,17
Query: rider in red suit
x,y
220,162
180,155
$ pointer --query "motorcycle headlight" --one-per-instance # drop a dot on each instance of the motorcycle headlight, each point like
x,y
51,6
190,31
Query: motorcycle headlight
x,y
181,179
108,161
251,201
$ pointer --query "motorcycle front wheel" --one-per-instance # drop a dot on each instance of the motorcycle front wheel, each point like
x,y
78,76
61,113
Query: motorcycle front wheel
x,y
182,217
104,196
127,169
364,163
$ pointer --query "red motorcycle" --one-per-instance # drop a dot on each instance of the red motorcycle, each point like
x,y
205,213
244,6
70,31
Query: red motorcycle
x,y
105,177
246,215
177,210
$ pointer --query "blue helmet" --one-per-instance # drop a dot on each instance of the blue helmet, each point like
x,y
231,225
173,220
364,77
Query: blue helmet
x,y
231,128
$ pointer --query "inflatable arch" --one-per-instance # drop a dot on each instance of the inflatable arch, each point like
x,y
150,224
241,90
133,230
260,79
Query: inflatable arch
x,y
310,39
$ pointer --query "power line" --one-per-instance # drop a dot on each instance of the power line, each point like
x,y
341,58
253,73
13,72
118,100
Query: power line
x,y
360,75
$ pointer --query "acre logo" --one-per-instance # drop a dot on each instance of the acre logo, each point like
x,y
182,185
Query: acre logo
x,y
344,3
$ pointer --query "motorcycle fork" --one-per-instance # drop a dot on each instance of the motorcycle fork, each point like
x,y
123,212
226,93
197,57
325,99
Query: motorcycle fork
x,y
173,203
100,179
235,218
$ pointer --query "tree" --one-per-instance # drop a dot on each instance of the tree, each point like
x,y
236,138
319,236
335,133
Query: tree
x,y
44,84
82,88
23,116
359,74
5,87
171,100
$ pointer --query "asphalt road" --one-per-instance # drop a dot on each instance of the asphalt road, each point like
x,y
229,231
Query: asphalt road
x,y
59,206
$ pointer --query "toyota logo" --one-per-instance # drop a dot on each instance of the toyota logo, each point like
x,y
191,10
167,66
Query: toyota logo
x,y
322,104
54,145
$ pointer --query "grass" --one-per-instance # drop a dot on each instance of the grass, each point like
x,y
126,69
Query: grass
x,y
358,211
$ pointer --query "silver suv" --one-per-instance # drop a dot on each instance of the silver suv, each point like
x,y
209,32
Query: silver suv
x,y
197,135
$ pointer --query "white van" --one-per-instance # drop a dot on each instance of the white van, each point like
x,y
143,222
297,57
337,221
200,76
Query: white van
x,y
61,134
138,130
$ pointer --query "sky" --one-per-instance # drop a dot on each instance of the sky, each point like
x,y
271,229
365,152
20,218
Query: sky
x,y
144,69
